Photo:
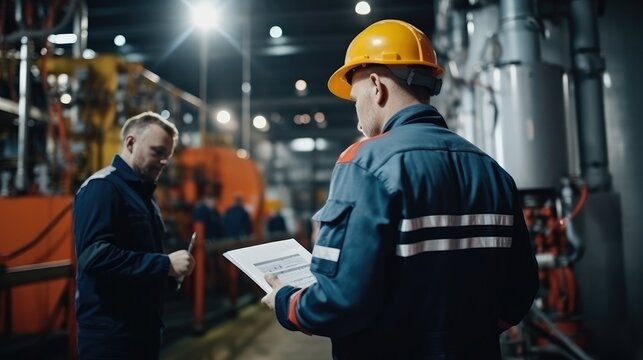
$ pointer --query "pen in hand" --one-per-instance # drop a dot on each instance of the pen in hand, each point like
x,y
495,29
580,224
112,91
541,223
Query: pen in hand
x,y
179,280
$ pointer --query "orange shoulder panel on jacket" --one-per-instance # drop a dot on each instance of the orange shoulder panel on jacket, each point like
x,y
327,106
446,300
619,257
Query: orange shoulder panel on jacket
x,y
350,152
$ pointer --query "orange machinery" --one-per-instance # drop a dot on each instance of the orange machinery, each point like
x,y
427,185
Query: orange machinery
x,y
554,318
234,176
36,258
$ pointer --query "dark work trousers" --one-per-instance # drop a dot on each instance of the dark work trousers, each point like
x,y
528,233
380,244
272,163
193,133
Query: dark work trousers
x,y
129,345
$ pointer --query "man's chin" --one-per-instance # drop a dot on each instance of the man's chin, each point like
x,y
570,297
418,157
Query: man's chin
x,y
151,176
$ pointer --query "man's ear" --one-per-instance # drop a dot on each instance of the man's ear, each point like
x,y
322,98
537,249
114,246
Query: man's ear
x,y
379,89
129,143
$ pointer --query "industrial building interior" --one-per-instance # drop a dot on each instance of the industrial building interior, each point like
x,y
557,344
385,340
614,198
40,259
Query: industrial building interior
x,y
546,87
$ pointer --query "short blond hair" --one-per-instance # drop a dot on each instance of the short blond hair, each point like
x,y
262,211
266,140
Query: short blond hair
x,y
143,120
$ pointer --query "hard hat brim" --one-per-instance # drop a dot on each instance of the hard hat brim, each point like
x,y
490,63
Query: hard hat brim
x,y
339,87
337,83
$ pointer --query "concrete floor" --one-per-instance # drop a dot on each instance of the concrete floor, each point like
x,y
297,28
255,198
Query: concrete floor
x,y
253,335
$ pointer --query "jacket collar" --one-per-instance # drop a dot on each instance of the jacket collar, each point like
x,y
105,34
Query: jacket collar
x,y
130,177
418,113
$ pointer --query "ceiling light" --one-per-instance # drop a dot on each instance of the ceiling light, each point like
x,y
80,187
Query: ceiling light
x,y
363,8
246,87
281,50
242,153
607,80
65,99
62,39
119,40
321,144
223,117
300,85
276,32
89,54
303,144
204,15
259,122
319,117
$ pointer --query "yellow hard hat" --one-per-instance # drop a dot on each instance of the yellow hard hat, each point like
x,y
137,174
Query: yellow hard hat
x,y
386,42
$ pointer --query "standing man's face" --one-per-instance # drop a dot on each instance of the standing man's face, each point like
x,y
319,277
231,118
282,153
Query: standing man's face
x,y
152,149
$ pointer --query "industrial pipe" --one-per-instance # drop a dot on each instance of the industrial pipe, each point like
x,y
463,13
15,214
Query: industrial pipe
x,y
519,32
199,276
81,26
24,105
588,66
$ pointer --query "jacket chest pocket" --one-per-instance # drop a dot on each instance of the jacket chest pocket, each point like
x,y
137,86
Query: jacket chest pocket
x,y
141,234
333,218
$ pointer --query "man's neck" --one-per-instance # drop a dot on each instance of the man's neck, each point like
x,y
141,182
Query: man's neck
x,y
395,105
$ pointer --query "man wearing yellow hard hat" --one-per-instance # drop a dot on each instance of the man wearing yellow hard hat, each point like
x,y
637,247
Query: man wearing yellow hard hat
x,y
422,251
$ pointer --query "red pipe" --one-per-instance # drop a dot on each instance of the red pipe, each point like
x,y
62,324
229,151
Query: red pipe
x,y
199,274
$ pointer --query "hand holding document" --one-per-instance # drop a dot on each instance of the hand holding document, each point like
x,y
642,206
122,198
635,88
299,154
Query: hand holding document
x,y
286,258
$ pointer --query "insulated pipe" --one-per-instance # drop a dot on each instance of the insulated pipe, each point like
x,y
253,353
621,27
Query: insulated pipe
x,y
459,35
588,66
519,32
24,105
81,21
440,39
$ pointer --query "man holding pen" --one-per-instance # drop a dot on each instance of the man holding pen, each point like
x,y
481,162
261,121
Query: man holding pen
x,y
118,231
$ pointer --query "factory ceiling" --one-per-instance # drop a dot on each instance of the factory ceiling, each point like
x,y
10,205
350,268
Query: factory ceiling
x,y
162,35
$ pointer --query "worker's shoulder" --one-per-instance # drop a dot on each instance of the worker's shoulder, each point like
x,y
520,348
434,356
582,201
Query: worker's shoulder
x,y
360,147
103,173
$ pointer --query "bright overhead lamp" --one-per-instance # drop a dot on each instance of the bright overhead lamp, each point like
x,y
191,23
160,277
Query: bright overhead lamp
x,y
119,40
363,8
276,32
62,39
205,16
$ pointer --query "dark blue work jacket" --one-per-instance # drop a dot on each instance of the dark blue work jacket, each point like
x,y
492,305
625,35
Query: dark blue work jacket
x,y
122,270
422,250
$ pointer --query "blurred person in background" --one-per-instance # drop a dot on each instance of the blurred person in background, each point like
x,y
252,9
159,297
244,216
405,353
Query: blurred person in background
x,y
206,212
237,220
276,225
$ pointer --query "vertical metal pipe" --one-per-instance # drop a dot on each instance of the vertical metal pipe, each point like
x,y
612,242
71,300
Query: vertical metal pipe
x,y
81,25
459,35
588,66
203,85
245,78
24,105
519,32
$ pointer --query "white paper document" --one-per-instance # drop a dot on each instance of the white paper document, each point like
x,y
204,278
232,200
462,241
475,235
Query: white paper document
x,y
286,258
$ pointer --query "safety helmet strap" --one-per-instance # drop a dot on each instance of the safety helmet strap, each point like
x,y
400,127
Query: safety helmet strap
x,y
418,76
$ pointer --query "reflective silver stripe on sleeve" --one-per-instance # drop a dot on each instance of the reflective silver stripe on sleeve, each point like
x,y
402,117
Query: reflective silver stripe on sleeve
x,y
432,221
326,253
406,250
98,175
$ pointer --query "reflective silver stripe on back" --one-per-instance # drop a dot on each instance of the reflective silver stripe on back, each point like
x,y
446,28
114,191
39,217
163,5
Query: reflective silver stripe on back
x,y
98,175
326,253
432,221
406,250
